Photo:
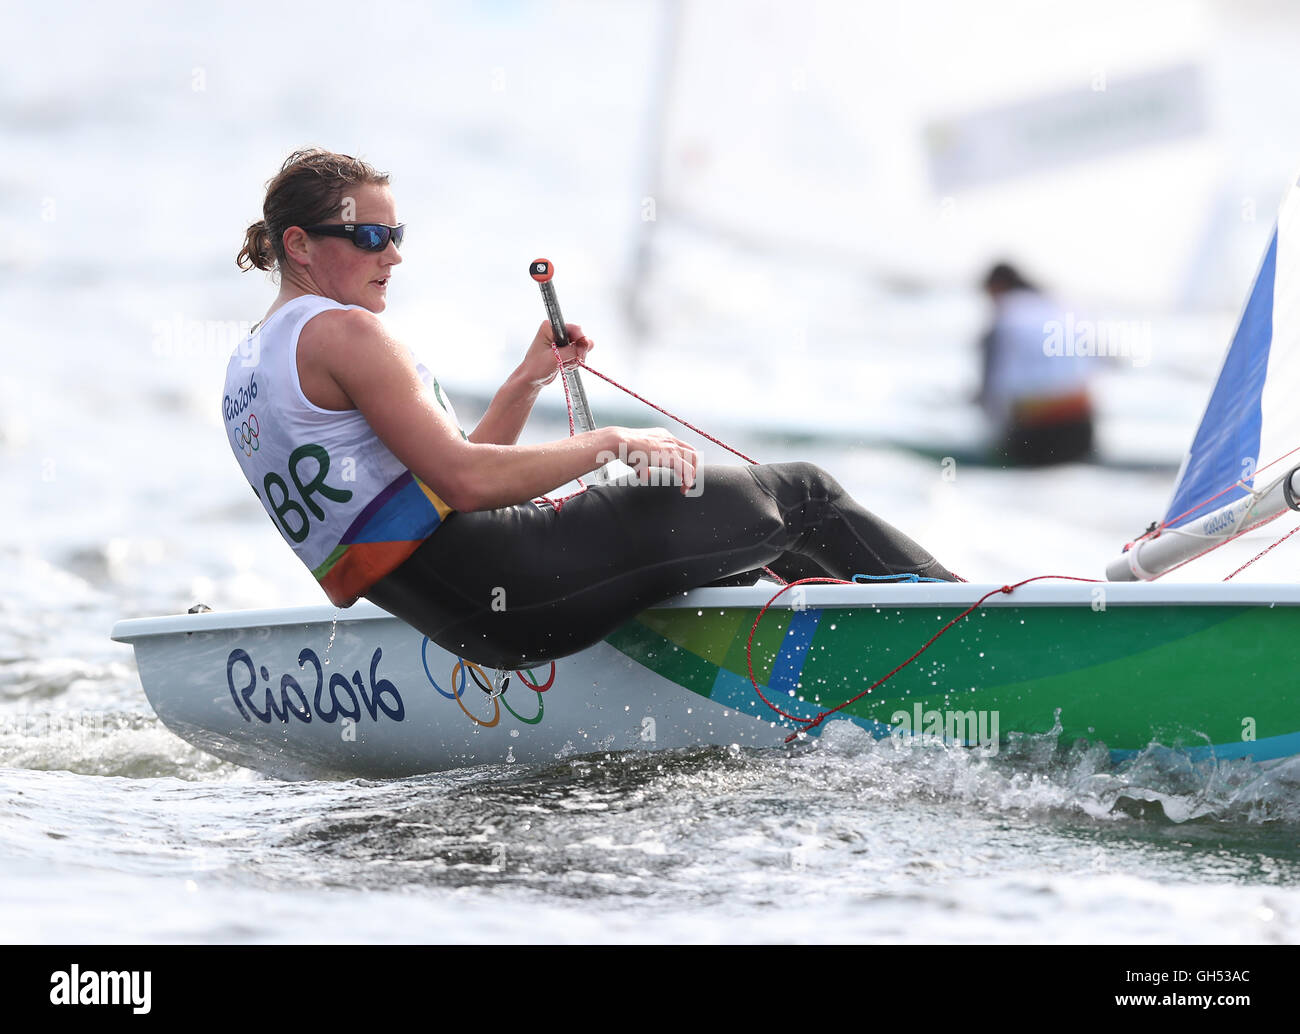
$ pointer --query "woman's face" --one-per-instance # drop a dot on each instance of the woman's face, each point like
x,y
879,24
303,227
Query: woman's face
x,y
340,270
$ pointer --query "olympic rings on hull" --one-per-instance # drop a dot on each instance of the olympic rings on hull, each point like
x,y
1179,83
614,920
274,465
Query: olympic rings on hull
x,y
462,671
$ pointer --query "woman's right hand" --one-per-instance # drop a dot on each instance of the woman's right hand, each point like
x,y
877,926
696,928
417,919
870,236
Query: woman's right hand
x,y
644,447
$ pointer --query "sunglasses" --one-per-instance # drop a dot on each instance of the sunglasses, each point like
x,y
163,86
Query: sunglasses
x,y
366,236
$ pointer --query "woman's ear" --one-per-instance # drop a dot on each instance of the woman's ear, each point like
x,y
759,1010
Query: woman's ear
x,y
296,241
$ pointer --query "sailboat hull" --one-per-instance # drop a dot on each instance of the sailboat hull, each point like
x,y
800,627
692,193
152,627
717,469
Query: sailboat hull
x,y
1204,669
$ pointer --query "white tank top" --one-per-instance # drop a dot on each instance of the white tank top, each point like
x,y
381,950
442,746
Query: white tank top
x,y
1025,366
344,503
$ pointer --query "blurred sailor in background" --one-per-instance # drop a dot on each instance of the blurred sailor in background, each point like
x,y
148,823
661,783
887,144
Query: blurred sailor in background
x,y
1036,397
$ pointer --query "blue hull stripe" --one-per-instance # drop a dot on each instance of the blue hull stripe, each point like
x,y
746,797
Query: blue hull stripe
x,y
1270,748
788,666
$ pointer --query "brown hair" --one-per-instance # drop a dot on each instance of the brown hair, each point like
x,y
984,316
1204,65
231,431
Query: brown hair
x,y
1006,277
308,189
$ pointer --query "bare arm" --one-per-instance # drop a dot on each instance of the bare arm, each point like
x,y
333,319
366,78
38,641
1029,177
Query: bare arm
x,y
376,374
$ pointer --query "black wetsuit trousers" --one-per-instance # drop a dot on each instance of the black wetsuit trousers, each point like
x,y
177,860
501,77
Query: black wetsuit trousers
x,y
1040,444
521,585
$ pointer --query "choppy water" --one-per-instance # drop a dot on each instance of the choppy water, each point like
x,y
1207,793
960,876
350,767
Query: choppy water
x,y
855,840
128,195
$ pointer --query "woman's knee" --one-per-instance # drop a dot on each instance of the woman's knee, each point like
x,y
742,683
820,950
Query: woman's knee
x,y
796,480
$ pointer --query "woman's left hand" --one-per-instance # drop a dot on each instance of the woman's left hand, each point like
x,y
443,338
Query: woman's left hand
x,y
539,364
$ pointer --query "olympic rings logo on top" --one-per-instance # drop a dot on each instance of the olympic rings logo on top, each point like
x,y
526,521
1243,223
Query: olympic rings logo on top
x,y
245,435
463,671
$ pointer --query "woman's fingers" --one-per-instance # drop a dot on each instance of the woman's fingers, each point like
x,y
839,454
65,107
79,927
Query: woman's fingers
x,y
656,447
690,462
540,363
578,341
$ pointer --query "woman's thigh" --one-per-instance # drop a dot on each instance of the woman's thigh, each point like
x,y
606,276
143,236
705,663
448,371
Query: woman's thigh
x,y
529,582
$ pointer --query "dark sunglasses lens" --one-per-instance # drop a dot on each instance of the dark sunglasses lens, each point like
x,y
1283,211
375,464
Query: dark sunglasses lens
x,y
398,233
371,237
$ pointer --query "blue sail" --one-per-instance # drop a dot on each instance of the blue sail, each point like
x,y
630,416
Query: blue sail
x,y
1226,449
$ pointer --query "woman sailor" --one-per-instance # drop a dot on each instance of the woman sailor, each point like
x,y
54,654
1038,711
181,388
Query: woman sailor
x,y
356,455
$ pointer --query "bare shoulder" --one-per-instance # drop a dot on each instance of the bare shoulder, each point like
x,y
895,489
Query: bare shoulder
x,y
341,340
350,360
353,329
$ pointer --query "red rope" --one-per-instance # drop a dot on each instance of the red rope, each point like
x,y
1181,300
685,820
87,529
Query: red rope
x,y
568,404
568,400
1260,554
812,723
672,416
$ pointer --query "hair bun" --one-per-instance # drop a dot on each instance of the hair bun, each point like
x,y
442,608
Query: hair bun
x,y
257,252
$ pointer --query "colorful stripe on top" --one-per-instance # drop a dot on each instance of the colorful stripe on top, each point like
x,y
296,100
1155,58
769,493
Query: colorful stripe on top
x,y
391,527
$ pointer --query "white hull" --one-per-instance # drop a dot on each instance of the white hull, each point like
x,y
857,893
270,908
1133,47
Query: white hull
x,y
245,686
599,700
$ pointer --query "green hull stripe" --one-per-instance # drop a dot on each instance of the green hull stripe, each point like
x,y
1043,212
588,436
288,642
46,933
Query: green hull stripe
x,y
1186,675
